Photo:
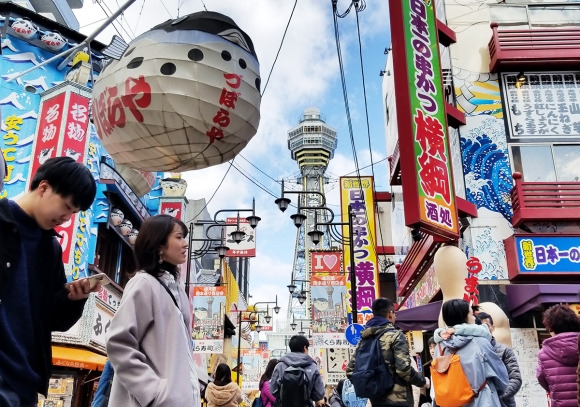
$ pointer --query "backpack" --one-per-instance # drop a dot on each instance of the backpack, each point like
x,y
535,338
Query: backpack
x,y
371,377
349,397
294,386
452,389
258,401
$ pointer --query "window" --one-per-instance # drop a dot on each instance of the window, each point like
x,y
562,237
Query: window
x,y
547,163
535,15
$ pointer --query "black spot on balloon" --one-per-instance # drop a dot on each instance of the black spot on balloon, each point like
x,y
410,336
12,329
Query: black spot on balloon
x,y
195,55
135,63
168,68
258,83
226,56
242,63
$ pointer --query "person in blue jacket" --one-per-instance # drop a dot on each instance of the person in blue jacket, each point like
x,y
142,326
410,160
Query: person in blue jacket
x,y
101,398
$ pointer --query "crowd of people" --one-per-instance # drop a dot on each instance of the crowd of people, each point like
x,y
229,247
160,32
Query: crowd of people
x,y
149,343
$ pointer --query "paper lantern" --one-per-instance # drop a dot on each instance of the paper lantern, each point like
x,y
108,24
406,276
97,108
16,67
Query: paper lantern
x,y
24,28
140,182
126,227
53,40
133,236
117,216
185,95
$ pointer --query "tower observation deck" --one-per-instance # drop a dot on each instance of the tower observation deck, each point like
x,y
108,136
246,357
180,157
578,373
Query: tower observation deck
x,y
311,143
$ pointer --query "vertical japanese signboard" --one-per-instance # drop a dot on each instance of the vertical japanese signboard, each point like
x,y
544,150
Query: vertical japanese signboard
x,y
358,192
62,130
208,319
426,169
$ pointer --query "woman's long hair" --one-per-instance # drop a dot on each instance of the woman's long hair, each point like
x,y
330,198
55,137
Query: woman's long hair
x,y
223,375
268,372
152,236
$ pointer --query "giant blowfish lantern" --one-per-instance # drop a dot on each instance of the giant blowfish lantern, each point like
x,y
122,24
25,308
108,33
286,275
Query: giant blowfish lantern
x,y
185,95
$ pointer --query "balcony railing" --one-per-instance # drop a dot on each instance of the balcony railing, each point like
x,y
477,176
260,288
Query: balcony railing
x,y
538,48
544,201
395,165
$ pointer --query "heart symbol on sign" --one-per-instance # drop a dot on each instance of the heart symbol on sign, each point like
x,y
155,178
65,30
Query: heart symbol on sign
x,y
329,260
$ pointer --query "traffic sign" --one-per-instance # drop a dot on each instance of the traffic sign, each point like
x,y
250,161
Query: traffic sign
x,y
353,333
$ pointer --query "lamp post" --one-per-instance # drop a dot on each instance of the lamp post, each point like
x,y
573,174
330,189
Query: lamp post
x,y
316,234
213,245
252,322
292,287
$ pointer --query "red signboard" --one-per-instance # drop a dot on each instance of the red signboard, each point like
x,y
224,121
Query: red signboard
x,y
325,262
50,121
76,125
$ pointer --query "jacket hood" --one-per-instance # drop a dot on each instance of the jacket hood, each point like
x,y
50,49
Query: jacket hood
x,y
562,347
221,394
373,327
297,359
456,341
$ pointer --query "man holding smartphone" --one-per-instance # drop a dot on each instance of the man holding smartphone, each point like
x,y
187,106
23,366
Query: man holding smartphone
x,y
33,298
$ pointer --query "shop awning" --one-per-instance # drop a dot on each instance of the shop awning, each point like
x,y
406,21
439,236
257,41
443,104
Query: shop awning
x,y
77,358
524,297
423,317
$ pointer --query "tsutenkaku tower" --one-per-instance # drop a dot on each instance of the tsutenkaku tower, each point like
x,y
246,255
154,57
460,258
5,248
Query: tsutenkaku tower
x,y
311,143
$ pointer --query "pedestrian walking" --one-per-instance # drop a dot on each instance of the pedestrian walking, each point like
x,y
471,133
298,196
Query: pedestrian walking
x,y
335,399
395,353
483,368
268,399
223,392
33,298
282,380
507,356
149,341
558,358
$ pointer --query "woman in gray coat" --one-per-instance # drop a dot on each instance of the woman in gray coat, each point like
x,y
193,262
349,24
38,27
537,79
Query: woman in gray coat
x,y
149,340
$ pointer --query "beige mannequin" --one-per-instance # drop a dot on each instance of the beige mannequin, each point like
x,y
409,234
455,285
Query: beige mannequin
x,y
451,271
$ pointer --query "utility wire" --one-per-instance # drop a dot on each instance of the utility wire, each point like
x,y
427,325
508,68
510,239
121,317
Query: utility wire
x,y
280,48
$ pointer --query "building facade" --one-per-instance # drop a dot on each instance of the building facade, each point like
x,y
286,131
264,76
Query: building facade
x,y
505,89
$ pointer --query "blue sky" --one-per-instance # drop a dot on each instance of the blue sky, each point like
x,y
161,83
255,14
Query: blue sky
x,y
305,74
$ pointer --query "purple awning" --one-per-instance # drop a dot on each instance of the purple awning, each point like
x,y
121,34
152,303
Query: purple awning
x,y
524,297
423,317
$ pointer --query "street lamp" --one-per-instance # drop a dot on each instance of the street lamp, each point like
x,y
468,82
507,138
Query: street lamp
x,y
258,329
316,236
301,296
213,245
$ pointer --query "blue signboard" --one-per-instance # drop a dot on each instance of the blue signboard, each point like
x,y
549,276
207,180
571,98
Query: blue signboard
x,y
548,254
353,333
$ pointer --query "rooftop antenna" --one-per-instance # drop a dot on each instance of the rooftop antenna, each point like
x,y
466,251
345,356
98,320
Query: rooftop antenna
x,y
72,51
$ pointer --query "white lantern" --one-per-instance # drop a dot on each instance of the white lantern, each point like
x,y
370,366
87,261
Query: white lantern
x,y
126,226
185,95
117,216
24,28
133,236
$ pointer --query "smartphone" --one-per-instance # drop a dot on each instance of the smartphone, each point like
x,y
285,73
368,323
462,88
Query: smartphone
x,y
103,279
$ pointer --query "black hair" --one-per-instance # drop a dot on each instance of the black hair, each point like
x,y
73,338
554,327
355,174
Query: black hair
x,y
223,375
484,315
430,341
297,343
268,372
560,318
455,312
152,235
382,306
68,178
339,387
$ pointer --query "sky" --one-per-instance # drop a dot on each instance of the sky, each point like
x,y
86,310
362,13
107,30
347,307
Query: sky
x,y
306,73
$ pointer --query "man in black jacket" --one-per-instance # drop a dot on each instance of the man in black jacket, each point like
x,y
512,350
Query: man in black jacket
x,y
33,299
507,398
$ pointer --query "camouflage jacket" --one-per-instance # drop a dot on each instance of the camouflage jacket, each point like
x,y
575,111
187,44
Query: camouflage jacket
x,y
395,351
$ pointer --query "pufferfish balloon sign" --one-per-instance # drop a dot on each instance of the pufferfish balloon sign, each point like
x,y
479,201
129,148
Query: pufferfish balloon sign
x,y
185,95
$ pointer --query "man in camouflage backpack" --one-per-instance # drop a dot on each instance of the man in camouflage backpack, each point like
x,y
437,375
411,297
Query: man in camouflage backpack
x,y
395,351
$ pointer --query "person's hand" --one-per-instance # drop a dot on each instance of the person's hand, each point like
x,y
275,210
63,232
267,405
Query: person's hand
x,y
80,289
427,383
320,403
446,334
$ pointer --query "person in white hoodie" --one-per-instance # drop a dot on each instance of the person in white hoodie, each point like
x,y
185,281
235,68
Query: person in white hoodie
x,y
149,340
222,392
